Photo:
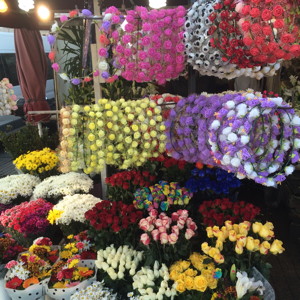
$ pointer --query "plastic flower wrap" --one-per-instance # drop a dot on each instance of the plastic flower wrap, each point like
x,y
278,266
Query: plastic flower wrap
x,y
167,238
153,282
113,222
197,273
121,133
150,47
95,291
216,212
7,98
9,248
41,163
79,244
162,196
27,219
121,185
214,181
56,187
15,188
243,133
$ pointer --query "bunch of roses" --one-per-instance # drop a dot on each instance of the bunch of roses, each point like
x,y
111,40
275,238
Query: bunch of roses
x,y
151,47
7,98
9,248
161,195
14,186
121,133
246,134
55,32
28,218
108,68
201,38
241,239
195,274
214,180
217,211
269,30
153,282
56,187
78,244
28,270
167,230
167,101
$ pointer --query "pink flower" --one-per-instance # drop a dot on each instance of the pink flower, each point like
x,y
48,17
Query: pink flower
x,y
143,55
145,239
146,40
180,59
162,229
183,213
164,238
115,19
115,35
80,245
11,264
55,67
172,238
120,49
189,233
153,213
146,27
158,223
72,284
129,27
102,52
175,229
127,52
168,45
175,216
180,47
60,275
155,234
168,32
126,39
180,223
144,224
192,226
63,18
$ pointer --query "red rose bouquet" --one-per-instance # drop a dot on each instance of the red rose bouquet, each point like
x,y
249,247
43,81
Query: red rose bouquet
x,y
9,248
217,211
122,185
113,223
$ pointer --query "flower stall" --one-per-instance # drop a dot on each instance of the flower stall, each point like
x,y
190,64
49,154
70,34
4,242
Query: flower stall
x,y
172,224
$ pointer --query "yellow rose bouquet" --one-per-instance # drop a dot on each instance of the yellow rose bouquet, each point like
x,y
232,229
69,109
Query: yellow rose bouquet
x,y
42,163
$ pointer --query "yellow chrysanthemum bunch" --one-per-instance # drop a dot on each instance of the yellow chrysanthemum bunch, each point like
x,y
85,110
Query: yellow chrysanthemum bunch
x,y
121,133
194,274
240,235
37,162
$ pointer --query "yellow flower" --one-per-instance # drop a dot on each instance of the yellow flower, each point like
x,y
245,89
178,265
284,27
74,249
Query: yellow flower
x,y
189,282
264,247
73,263
54,215
59,285
276,247
190,272
180,286
200,283
66,254
256,227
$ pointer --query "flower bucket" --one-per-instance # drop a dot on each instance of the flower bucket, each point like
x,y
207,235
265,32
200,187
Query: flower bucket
x,y
66,293
269,293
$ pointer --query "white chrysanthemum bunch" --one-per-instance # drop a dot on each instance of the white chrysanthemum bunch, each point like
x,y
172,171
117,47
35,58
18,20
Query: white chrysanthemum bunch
x,y
63,185
7,98
17,185
145,282
17,270
74,207
95,291
115,262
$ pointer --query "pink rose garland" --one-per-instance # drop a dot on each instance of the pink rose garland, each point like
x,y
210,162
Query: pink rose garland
x,y
151,47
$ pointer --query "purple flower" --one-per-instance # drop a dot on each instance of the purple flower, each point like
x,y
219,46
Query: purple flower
x,y
105,75
106,26
87,13
75,81
51,39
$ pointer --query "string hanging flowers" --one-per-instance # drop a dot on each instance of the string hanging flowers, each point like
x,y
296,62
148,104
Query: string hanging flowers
x,y
7,98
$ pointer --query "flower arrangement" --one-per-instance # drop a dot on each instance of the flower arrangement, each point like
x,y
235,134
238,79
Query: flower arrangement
x,y
153,283
121,185
78,244
9,248
121,133
216,212
7,98
55,187
113,222
213,180
197,273
237,132
147,31
26,219
166,238
41,163
69,213
161,196
95,291
17,188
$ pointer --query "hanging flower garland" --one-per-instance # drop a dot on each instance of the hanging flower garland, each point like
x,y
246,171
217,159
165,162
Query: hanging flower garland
x,y
7,98
246,134
151,47
269,29
200,47
52,38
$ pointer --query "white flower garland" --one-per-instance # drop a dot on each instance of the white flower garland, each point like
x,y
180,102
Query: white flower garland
x,y
74,207
17,185
62,185
7,98
115,262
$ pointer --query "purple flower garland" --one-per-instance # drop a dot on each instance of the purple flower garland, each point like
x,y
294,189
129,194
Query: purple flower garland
x,y
246,134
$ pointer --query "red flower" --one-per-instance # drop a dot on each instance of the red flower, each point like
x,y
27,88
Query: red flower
x,y
211,17
246,26
224,15
279,23
256,28
248,41
266,15
255,1
246,9
279,53
295,50
267,30
14,283
254,12
212,29
287,38
67,273
278,11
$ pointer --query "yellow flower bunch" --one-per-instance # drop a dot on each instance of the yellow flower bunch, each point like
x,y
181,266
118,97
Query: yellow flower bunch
x,y
194,274
122,133
69,250
53,215
239,235
37,162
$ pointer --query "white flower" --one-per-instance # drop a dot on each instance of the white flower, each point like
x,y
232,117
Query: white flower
x,y
240,176
231,113
296,121
285,145
297,143
273,168
103,65
232,137
278,101
107,17
248,168
289,170
271,182
230,104
235,162
54,27
254,113
245,284
226,159
64,76
245,139
226,130
215,124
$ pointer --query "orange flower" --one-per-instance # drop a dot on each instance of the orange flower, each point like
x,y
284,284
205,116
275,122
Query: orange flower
x,y
51,55
103,39
73,13
199,165
86,273
30,281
